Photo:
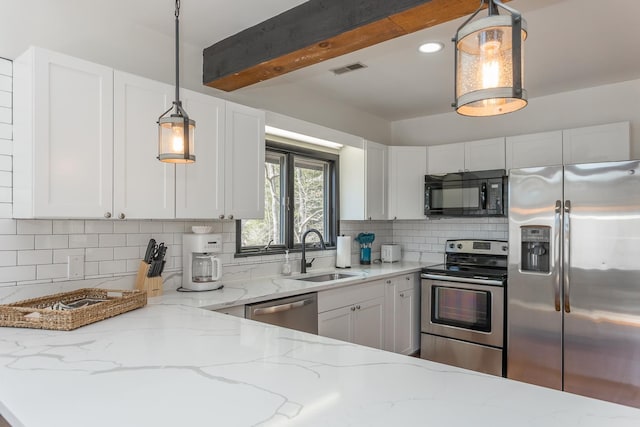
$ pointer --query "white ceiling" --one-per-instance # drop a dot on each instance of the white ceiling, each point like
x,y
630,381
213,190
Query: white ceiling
x,y
572,44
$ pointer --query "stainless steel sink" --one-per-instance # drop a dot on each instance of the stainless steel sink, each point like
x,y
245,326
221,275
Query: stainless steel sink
x,y
327,277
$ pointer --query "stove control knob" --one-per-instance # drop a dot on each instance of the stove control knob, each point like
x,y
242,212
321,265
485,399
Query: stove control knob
x,y
459,245
504,248
451,245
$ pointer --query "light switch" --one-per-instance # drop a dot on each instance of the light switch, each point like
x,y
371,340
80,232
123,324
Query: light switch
x,y
75,267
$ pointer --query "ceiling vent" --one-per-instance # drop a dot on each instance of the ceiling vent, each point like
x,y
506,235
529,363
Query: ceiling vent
x,y
348,68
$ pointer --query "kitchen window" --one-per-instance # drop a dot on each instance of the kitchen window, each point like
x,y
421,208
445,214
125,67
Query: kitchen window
x,y
300,193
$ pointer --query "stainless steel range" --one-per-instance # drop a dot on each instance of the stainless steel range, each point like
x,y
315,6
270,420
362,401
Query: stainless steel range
x,y
463,306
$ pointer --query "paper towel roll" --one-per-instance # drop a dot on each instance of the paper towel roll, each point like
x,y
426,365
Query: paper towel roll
x,y
343,252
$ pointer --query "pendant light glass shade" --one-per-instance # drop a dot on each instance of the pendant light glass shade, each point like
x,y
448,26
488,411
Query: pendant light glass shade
x,y
490,64
175,145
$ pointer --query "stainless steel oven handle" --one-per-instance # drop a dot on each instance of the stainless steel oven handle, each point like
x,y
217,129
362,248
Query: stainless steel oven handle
x,y
472,280
281,307
566,255
556,255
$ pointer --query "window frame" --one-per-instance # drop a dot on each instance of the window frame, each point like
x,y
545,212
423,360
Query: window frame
x,y
331,208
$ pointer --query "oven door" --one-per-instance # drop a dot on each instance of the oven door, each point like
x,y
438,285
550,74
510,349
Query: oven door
x,y
466,311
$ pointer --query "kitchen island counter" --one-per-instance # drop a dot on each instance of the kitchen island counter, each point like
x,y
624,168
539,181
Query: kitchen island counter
x,y
169,365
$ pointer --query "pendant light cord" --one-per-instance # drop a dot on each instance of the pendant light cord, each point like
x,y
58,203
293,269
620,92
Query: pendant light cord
x,y
177,101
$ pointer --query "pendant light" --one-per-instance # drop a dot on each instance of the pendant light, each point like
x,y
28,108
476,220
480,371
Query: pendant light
x,y
176,132
489,62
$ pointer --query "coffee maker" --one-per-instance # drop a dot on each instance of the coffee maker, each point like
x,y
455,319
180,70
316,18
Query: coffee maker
x,y
202,269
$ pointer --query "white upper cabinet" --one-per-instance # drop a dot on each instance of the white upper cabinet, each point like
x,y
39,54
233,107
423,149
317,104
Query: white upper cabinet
x,y
445,158
363,182
538,149
407,168
144,187
601,143
244,162
200,185
63,141
468,156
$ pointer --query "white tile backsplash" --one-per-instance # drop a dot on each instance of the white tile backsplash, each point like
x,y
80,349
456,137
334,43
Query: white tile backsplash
x,y
35,257
52,241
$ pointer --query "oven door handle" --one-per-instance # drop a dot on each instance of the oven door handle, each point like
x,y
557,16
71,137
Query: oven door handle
x,y
473,280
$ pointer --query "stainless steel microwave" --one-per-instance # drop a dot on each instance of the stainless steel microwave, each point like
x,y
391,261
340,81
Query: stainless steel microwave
x,y
479,193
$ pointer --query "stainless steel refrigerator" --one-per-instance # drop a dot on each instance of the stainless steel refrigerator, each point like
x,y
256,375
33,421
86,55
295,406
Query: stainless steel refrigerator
x,y
573,315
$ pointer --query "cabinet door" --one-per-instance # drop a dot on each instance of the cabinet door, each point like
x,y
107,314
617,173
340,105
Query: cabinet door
x,y
402,324
539,149
602,143
407,168
337,323
375,180
244,162
200,185
63,136
446,158
144,187
352,186
405,342
485,154
368,323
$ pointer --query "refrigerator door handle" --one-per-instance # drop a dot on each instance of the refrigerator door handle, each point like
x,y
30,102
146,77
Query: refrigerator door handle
x,y
556,255
567,254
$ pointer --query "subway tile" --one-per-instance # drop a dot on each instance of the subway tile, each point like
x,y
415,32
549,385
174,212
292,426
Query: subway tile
x,y
6,147
51,271
6,132
151,227
6,83
173,227
166,238
83,241
43,256
34,226
112,240
133,265
98,227
128,252
5,114
138,239
99,254
6,210
8,226
6,67
18,273
111,267
6,178
8,258
52,241
61,256
68,226
91,268
14,242
5,99
132,226
6,163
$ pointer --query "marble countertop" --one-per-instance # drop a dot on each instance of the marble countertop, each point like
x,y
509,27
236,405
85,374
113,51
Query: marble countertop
x,y
171,363
239,292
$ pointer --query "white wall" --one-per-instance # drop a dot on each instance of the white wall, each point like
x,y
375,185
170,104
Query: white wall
x,y
585,107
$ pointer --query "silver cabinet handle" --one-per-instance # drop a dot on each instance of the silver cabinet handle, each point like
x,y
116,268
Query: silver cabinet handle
x,y
407,278
567,255
107,215
221,217
121,216
402,295
353,309
556,255
358,307
230,216
281,307
388,282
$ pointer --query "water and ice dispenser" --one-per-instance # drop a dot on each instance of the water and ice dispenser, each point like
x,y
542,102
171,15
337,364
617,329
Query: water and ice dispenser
x,y
535,249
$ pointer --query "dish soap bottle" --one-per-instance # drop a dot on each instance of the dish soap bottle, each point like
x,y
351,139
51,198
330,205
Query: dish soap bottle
x,y
286,267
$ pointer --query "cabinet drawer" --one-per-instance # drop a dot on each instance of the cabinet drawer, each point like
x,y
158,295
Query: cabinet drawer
x,y
336,298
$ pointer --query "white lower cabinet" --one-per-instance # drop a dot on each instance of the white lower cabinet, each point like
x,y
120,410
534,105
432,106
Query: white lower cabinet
x,y
354,314
402,326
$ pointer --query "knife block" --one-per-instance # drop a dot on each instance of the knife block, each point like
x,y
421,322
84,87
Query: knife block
x,y
153,285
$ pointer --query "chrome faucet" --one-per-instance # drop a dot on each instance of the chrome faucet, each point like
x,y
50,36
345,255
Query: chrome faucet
x,y
303,261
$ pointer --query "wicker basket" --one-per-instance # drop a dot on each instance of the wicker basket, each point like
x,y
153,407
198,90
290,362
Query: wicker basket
x,y
37,313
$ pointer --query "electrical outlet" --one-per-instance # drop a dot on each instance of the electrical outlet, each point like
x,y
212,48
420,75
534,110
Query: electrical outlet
x,y
75,267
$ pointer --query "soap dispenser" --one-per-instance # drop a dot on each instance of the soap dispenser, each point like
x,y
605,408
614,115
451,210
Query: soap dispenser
x,y
286,267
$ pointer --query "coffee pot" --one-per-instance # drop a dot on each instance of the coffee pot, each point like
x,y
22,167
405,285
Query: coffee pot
x,y
202,269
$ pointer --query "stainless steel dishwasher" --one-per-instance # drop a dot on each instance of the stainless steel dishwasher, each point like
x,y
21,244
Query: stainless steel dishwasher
x,y
299,312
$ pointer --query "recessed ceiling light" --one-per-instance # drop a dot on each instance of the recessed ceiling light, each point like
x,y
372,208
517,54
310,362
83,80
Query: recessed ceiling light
x,y
431,47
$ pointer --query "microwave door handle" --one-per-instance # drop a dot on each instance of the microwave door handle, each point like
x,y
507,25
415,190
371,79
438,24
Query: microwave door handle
x,y
483,195
427,201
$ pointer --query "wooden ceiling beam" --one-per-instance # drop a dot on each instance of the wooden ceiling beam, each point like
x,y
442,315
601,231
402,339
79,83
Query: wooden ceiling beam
x,y
318,30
